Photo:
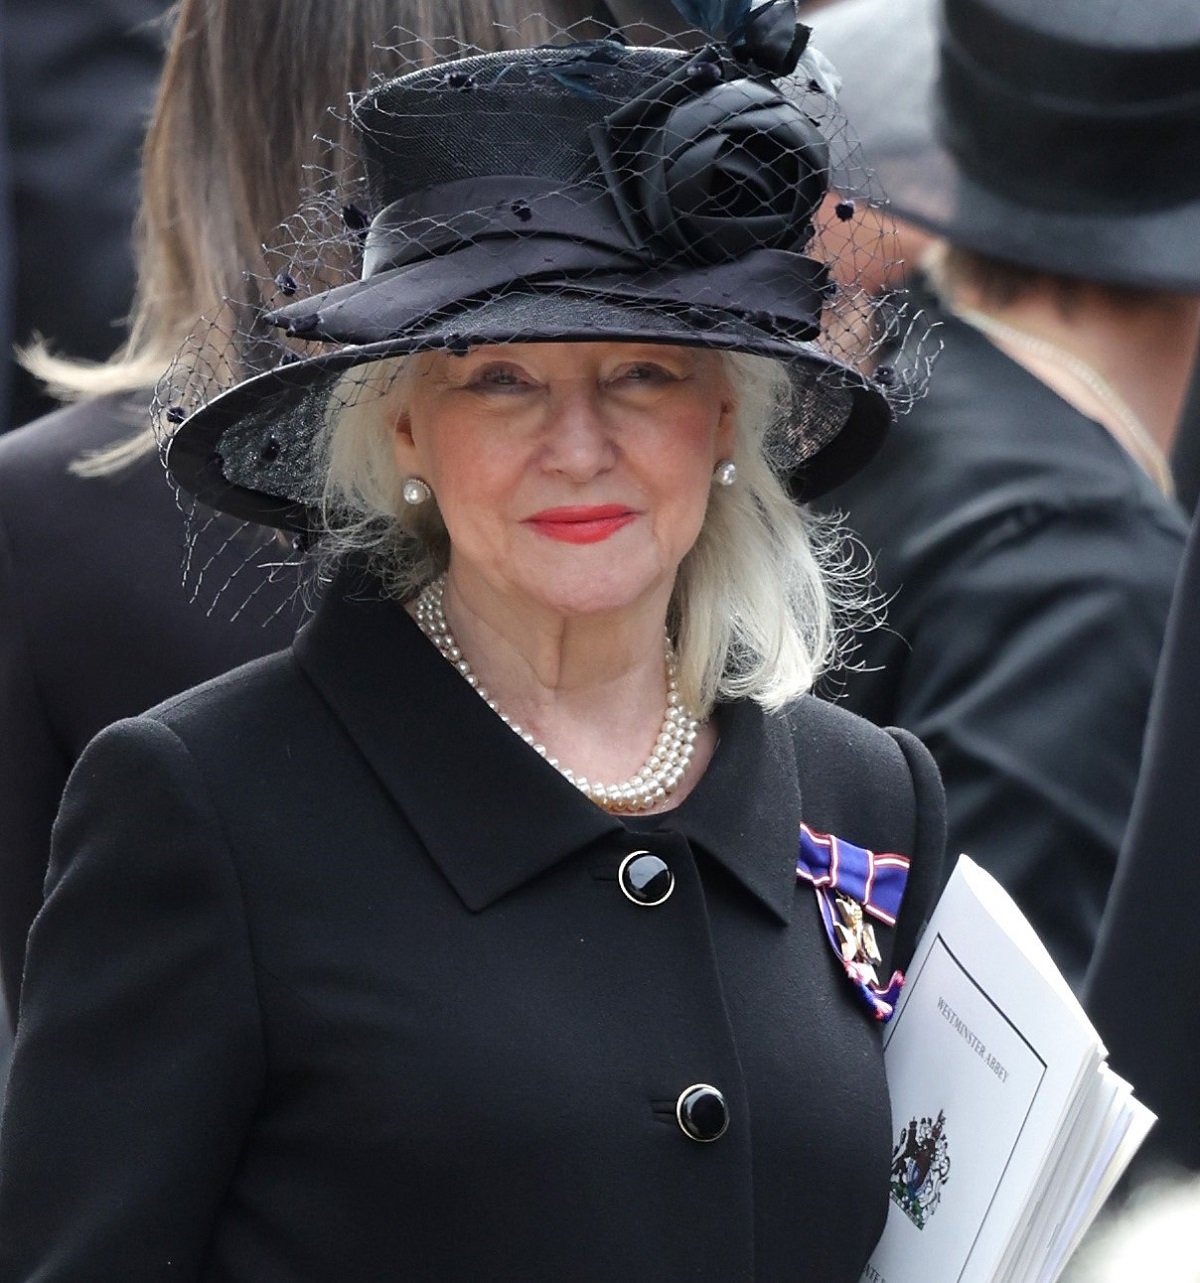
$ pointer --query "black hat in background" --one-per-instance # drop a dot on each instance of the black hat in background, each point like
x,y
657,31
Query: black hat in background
x,y
571,193
1062,135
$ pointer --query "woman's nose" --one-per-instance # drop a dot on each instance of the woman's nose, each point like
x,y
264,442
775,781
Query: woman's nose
x,y
579,438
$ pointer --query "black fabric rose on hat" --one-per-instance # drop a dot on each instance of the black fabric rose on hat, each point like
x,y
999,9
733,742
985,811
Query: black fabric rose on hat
x,y
707,169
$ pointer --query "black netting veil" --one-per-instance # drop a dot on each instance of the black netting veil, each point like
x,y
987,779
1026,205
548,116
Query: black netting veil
x,y
585,190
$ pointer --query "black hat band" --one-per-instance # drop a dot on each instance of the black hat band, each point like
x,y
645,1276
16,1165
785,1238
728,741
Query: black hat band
x,y
1075,67
425,255
1042,121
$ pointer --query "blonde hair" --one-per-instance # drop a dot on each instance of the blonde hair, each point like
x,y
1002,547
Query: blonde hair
x,y
240,124
759,601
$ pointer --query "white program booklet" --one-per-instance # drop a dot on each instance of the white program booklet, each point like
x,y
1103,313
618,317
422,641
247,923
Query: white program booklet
x,y
1009,1127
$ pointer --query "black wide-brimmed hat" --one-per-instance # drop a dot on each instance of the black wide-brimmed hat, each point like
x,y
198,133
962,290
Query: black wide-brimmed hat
x,y
1063,135
592,191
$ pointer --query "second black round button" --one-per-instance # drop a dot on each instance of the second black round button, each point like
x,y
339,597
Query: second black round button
x,y
645,879
702,1113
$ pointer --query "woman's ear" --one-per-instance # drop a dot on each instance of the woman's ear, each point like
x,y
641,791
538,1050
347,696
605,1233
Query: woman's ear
x,y
402,428
403,445
399,403
726,437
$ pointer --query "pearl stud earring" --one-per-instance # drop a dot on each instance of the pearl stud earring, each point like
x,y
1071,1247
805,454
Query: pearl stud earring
x,y
415,491
725,473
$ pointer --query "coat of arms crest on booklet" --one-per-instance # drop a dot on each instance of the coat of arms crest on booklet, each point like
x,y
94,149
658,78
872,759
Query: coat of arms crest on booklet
x,y
920,1167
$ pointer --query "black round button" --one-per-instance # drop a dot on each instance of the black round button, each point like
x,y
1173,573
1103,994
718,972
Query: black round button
x,y
645,879
702,1112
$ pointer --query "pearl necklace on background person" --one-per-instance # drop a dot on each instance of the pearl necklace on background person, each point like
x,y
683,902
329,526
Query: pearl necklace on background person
x,y
1126,428
659,775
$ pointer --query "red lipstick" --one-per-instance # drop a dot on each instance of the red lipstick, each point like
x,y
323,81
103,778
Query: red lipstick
x,y
581,524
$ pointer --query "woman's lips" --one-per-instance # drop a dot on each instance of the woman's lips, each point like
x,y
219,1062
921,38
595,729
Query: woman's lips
x,y
581,524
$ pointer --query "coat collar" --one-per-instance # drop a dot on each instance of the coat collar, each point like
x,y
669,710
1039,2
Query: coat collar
x,y
489,810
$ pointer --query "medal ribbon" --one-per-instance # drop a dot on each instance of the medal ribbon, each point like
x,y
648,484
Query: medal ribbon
x,y
875,882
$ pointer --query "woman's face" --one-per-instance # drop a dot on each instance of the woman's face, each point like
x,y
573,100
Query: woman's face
x,y
572,476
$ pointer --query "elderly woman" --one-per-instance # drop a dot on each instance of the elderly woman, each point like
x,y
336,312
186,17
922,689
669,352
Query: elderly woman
x,y
525,920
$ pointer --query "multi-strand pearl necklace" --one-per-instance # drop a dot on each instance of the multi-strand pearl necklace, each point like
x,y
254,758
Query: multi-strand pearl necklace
x,y
1124,425
658,777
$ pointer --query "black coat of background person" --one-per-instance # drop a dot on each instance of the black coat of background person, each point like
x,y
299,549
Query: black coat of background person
x,y
1031,561
80,79
7,243
1029,565
96,626
362,997
1143,987
6,256
1185,457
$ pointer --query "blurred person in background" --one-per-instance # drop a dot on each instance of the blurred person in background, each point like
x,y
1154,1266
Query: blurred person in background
x,y
6,252
1185,456
1144,980
651,22
7,242
97,624
79,78
1022,514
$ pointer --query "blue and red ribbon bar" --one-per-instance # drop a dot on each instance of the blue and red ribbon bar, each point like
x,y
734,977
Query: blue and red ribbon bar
x,y
876,881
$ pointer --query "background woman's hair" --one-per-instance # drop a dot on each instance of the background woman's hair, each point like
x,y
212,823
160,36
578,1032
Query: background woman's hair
x,y
240,124
763,602
1000,284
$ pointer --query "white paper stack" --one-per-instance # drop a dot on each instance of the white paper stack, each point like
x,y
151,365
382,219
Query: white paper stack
x,y
1010,1128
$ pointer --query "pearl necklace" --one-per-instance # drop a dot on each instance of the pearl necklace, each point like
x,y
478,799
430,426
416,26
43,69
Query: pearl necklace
x,y
1126,427
659,775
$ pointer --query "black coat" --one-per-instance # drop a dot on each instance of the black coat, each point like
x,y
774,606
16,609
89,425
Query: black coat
x,y
1143,987
8,240
95,625
1030,565
80,84
347,990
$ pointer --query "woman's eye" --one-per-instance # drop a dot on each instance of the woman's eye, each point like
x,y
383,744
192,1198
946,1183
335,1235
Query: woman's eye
x,y
501,378
647,372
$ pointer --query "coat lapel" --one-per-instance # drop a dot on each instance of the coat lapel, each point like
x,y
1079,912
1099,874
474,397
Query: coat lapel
x,y
746,811
490,811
